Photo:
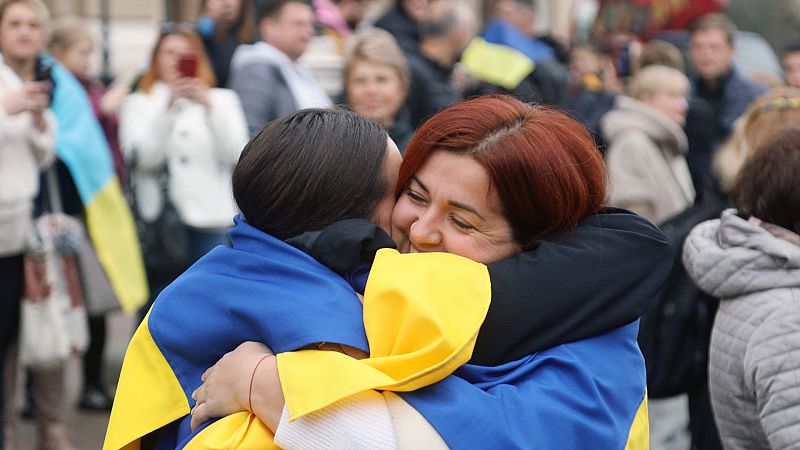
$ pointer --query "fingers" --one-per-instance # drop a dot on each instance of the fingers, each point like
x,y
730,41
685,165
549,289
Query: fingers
x,y
199,416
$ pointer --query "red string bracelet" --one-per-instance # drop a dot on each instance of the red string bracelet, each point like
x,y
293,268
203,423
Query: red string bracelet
x,y
252,377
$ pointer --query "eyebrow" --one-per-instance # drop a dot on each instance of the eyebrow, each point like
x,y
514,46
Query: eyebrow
x,y
449,202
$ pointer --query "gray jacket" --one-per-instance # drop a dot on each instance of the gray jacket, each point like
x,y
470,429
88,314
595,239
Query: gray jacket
x,y
754,361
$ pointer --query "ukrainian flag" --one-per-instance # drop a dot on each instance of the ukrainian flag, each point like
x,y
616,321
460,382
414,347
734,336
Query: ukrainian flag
x,y
419,321
504,56
81,145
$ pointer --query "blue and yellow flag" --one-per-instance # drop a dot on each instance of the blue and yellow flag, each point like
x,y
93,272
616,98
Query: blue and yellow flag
x,y
504,56
81,145
420,319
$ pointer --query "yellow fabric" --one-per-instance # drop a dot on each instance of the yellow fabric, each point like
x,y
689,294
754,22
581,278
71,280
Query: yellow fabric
x,y
148,394
241,431
496,64
419,332
113,234
639,437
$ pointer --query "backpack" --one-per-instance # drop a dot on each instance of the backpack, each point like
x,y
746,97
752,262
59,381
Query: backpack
x,y
675,332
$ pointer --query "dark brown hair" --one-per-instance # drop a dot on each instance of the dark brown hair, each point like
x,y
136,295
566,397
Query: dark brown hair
x,y
715,21
543,164
767,187
309,169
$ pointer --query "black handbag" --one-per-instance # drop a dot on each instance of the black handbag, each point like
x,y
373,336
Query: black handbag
x,y
675,332
165,240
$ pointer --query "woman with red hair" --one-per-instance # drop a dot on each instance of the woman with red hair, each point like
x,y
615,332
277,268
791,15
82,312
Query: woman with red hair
x,y
487,179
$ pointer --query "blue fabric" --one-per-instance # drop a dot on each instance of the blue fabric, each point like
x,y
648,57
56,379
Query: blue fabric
x,y
259,289
502,33
80,141
580,395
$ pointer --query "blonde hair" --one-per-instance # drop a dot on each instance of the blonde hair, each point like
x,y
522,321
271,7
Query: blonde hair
x,y
657,79
37,6
767,115
68,31
377,46
204,70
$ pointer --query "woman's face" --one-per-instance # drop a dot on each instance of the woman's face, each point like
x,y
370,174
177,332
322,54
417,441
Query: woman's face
x,y
21,33
391,168
225,11
76,58
172,48
449,206
375,91
672,104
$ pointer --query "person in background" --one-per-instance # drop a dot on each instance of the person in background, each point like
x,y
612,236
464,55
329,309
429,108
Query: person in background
x,y
750,259
444,33
266,75
513,30
717,82
647,147
224,25
790,59
777,109
27,146
71,44
376,83
338,19
593,86
402,21
699,124
181,138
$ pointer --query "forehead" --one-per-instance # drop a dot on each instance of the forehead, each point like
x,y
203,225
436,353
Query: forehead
x,y
294,11
174,41
710,36
459,177
19,11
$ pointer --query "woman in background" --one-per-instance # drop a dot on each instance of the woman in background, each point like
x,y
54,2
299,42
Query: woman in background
x,y
223,26
750,259
27,142
181,139
72,44
647,146
377,77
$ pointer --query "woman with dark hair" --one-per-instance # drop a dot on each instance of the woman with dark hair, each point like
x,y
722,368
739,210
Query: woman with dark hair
x,y
223,26
750,259
485,179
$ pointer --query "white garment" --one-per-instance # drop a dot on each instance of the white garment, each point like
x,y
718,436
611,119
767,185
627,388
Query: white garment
x,y
200,148
304,87
367,420
24,151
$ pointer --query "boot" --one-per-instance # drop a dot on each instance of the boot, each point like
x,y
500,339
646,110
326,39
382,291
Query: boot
x,y
54,437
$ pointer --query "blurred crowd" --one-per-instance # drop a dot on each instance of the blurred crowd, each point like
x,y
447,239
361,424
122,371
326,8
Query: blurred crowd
x,y
674,117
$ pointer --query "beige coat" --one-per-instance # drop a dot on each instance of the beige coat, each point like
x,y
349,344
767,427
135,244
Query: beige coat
x,y
646,161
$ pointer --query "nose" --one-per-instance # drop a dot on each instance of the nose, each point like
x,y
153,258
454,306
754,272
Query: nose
x,y
425,234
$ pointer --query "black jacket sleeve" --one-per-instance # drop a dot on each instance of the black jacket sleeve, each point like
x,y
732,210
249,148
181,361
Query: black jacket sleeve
x,y
581,283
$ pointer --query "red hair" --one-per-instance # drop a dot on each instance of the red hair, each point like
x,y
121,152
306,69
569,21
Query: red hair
x,y
204,70
543,165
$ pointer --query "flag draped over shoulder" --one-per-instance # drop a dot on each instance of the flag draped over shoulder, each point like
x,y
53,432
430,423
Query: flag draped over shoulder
x,y
262,289
81,145
421,316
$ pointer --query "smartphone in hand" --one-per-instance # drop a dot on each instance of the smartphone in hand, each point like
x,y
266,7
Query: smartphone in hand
x,y
187,66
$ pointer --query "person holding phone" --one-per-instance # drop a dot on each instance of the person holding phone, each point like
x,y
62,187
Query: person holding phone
x,y
181,139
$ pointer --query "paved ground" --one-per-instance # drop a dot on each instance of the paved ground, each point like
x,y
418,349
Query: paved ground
x,y
87,430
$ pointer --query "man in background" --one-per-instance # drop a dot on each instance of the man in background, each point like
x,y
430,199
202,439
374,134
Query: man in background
x,y
266,75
